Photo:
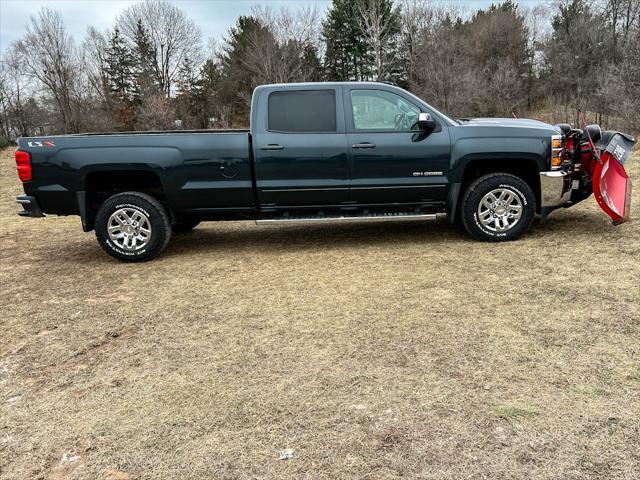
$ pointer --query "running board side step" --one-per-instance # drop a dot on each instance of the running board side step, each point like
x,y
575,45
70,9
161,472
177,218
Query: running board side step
x,y
389,217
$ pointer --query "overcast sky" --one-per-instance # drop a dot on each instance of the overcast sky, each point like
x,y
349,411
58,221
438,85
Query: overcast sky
x,y
213,16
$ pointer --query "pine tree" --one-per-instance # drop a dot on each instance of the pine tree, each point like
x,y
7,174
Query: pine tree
x,y
362,39
187,77
121,80
346,54
311,66
206,92
187,99
145,56
241,67
121,69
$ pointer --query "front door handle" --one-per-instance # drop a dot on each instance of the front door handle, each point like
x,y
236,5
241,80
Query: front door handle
x,y
363,145
272,146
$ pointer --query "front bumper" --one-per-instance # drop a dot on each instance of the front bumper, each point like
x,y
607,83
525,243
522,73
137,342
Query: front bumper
x,y
555,188
30,206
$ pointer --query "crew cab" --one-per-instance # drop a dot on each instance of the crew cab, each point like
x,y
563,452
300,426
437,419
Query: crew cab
x,y
323,152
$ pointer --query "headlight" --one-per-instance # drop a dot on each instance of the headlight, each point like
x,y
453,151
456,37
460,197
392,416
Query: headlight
x,y
556,152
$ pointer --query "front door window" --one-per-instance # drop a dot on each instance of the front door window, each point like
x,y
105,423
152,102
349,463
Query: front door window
x,y
377,110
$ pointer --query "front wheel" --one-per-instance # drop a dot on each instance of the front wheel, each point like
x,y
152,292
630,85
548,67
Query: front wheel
x,y
132,227
498,207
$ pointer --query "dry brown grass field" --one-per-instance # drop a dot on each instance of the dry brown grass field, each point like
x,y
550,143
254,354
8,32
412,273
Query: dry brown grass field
x,y
372,351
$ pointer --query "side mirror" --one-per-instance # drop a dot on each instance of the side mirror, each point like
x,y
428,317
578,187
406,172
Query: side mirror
x,y
426,123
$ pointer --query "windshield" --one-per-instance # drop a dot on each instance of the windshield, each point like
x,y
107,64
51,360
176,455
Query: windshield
x,y
446,118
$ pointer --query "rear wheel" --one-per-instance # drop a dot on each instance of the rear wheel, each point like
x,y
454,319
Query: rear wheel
x,y
498,207
132,227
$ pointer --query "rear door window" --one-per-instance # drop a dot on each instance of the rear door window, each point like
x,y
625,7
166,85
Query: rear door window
x,y
303,111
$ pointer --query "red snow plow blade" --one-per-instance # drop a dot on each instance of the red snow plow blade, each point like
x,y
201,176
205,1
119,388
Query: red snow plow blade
x,y
610,182
612,189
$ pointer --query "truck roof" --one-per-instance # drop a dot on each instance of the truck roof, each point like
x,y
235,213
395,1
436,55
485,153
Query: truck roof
x,y
327,84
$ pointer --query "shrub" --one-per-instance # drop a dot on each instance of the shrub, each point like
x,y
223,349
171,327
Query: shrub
x,y
5,142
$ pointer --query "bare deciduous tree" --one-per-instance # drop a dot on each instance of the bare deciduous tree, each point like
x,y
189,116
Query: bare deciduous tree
x,y
20,114
14,95
156,113
49,55
623,16
418,19
302,25
94,61
5,104
442,75
381,28
174,37
295,55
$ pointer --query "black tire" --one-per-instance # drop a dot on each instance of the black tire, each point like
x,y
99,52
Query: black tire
x,y
517,191
141,206
185,226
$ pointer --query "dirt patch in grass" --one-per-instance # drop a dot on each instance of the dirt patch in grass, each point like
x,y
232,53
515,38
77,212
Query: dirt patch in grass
x,y
363,351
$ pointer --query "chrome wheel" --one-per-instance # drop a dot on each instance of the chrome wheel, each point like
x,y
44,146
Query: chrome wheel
x,y
500,210
129,229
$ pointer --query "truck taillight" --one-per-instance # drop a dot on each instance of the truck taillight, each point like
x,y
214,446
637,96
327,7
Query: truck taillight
x,y
23,164
556,152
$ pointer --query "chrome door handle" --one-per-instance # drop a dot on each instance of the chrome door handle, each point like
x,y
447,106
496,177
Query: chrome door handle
x,y
272,146
363,145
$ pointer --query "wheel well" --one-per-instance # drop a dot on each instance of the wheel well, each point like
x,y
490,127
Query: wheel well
x,y
527,170
101,185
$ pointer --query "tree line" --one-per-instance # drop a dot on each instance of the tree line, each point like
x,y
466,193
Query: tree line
x,y
152,70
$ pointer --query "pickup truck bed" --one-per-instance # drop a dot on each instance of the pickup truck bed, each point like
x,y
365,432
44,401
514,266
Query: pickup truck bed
x,y
189,168
315,151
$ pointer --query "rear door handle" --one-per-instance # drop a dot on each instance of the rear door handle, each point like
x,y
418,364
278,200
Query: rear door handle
x,y
363,145
272,146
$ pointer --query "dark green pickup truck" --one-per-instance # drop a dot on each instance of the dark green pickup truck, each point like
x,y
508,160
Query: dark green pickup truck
x,y
315,152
